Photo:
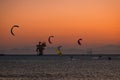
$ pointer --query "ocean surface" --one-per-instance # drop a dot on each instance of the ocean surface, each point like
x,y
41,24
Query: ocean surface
x,y
63,57
54,67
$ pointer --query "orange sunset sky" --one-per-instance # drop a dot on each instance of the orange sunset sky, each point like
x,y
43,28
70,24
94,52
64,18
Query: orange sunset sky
x,y
97,22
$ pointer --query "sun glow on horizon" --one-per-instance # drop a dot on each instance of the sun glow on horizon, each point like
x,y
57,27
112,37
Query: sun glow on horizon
x,y
96,21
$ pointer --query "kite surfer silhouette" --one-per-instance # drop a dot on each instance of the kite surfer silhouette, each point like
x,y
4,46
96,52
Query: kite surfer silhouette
x,y
40,48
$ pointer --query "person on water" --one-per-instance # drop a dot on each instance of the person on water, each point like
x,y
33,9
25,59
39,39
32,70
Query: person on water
x,y
40,48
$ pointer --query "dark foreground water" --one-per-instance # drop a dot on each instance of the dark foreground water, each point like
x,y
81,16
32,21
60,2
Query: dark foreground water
x,y
53,67
63,57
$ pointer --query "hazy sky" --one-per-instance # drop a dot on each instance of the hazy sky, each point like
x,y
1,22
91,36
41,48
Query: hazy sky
x,y
96,21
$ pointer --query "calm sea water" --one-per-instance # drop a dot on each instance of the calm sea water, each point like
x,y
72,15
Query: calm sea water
x,y
53,67
56,57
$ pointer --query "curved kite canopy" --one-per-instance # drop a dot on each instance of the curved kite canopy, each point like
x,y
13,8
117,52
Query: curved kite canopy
x,y
13,28
79,41
59,51
49,39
